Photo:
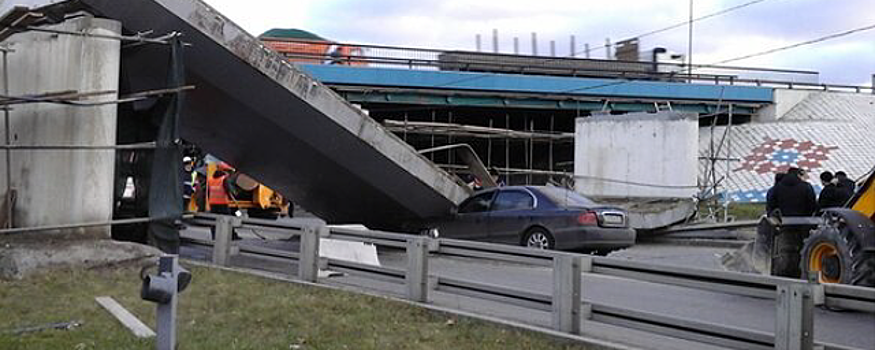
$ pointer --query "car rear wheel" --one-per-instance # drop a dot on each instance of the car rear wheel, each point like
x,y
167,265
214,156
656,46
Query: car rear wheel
x,y
539,238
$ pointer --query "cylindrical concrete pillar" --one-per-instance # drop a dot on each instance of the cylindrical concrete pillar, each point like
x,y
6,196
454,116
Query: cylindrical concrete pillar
x,y
64,186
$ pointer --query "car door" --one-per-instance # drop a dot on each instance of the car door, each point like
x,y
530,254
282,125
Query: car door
x,y
470,222
510,214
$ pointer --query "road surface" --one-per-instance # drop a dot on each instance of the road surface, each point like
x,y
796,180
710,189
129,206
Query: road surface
x,y
852,329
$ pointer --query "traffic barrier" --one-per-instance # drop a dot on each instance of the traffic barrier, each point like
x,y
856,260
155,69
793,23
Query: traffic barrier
x,y
795,300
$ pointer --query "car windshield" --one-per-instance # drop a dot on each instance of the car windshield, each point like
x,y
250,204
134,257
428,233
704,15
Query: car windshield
x,y
476,204
567,198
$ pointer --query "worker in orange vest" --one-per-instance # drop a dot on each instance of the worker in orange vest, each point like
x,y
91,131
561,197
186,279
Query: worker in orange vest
x,y
217,195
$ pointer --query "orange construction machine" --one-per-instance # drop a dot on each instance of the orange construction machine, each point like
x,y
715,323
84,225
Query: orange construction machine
x,y
226,191
304,47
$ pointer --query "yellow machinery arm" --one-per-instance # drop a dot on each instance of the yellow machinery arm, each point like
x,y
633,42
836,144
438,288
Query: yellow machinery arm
x,y
864,199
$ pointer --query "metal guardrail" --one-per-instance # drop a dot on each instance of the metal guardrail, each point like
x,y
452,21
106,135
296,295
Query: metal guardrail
x,y
794,299
381,56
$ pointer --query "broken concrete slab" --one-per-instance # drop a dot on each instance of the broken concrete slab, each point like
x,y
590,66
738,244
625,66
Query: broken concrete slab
x,y
19,260
653,213
272,121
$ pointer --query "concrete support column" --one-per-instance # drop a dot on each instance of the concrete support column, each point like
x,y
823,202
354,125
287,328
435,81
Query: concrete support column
x,y
63,186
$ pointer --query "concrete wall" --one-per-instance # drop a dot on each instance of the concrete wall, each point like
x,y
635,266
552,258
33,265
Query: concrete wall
x,y
63,187
639,148
784,101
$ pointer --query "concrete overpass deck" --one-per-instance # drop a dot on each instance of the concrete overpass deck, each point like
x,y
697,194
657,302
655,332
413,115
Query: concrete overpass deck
x,y
503,90
502,82
271,120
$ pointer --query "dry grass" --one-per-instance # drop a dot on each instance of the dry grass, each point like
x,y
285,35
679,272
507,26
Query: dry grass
x,y
226,310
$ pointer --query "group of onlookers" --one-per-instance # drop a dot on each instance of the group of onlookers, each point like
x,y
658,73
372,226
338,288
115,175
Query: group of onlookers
x,y
793,196
837,189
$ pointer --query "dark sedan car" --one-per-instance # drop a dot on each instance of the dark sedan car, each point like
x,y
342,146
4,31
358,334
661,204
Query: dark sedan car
x,y
540,217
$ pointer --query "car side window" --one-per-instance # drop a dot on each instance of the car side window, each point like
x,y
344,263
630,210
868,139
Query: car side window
x,y
476,204
513,200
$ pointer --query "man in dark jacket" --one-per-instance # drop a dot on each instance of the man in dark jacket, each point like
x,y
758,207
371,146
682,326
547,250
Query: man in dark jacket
x,y
793,196
831,195
845,184
770,202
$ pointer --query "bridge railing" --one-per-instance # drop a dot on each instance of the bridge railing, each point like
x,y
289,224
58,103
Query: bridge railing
x,y
395,57
569,306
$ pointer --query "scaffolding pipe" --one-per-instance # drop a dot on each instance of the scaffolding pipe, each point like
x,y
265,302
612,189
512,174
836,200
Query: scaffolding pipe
x,y
68,98
8,198
507,144
139,38
137,146
489,145
90,224
552,125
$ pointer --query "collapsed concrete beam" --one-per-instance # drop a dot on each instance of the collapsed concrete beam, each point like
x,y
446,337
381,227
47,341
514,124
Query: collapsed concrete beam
x,y
268,119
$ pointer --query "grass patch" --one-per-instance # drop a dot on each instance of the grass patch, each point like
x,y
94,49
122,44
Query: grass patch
x,y
739,211
747,211
227,310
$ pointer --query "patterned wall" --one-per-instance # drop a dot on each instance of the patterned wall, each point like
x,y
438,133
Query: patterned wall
x,y
826,131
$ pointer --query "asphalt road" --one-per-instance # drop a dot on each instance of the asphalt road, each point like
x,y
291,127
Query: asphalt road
x,y
841,328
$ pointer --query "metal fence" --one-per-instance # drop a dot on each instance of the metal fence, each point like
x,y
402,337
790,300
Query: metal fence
x,y
795,300
380,56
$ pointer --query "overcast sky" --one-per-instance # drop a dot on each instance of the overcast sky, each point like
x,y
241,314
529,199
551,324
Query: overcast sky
x,y
454,24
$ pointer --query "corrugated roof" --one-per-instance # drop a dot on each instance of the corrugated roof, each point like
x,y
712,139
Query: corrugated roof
x,y
290,33
833,106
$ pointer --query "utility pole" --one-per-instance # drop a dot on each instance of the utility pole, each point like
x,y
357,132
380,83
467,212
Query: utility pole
x,y
690,44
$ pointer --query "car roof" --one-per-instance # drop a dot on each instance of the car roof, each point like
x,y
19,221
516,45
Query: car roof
x,y
514,187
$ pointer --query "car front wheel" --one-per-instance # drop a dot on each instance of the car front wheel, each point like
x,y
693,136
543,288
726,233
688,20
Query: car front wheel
x,y
539,238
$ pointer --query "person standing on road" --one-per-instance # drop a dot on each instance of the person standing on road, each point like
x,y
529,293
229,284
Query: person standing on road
x,y
831,195
793,196
770,202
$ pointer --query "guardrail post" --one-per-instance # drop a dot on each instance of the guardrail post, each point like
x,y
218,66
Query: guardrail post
x,y
566,294
794,323
585,267
417,269
222,242
308,259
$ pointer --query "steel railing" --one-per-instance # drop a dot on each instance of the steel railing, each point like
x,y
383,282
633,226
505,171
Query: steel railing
x,y
381,56
794,299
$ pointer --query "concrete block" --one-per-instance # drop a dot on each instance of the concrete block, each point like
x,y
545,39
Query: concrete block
x,y
362,253
624,155
63,187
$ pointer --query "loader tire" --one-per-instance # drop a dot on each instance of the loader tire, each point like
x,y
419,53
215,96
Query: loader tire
x,y
838,254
